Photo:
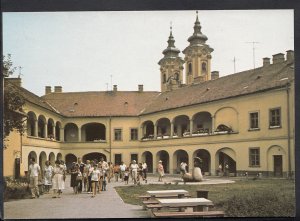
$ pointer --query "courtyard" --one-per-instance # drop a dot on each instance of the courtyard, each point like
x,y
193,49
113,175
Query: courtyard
x,y
229,194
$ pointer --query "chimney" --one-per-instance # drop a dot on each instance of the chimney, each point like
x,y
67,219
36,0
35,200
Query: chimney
x,y
115,88
266,62
141,88
47,90
58,89
278,58
214,75
16,81
290,55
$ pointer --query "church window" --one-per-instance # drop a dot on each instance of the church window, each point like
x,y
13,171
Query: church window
x,y
190,68
164,78
176,76
204,68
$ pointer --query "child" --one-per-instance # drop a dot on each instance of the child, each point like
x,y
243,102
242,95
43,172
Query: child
x,y
126,176
104,181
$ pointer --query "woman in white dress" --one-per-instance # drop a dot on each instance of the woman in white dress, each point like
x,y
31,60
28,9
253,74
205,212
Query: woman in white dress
x,y
57,179
48,170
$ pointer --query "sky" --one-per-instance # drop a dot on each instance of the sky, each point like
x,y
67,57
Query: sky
x,y
91,51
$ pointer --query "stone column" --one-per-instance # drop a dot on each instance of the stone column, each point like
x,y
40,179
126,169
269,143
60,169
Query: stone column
x,y
191,126
191,162
62,134
154,163
45,130
212,124
212,164
36,128
155,131
172,129
171,163
54,132
79,134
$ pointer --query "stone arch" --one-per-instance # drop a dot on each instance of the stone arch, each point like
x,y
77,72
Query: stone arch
x,y
71,132
164,157
50,128
93,156
148,158
148,129
59,156
202,122
93,131
51,158
227,116
32,154
31,127
58,126
276,160
69,159
163,127
42,126
226,155
178,157
181,125
42,159
204,155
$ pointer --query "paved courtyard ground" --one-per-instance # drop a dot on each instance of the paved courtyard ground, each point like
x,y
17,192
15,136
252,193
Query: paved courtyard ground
x,y
107,204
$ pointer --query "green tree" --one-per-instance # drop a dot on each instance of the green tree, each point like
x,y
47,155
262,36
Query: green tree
x,y
13,118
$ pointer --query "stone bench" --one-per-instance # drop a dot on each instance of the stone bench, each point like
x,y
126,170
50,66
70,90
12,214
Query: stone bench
x,y
188,214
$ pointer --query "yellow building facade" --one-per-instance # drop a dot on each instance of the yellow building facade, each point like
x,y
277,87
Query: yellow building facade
x,y
245,120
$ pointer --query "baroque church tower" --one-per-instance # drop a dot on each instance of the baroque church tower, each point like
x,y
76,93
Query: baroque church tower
x,y
171,67
197,57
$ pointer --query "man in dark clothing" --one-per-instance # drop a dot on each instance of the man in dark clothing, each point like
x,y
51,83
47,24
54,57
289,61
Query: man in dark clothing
x,y
81,168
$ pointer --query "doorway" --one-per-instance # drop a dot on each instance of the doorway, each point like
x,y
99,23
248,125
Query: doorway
x,y
277,165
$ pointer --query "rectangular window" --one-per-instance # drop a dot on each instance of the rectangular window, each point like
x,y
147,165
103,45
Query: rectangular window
x,y
275,117
118,134
134,156
254,157
118,159
134,134
254,120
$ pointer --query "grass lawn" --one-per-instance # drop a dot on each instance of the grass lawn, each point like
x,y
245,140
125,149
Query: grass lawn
x,y
259,198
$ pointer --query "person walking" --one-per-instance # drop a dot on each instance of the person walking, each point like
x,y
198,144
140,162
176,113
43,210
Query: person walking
x,y
116,172
57,179
126,176
74,173
110,171
64,166
122,170
48,170
139,173
134,169
34,171
81,168
160,170
95,177
145,170
87,177
99,186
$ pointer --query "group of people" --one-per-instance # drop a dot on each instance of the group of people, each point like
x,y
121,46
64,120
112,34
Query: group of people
x,y
90,177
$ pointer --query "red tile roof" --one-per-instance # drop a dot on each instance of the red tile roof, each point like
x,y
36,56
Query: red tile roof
x,y
85,104
247,82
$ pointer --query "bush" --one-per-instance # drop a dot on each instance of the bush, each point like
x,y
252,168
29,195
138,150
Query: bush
x,y
15,189
260,204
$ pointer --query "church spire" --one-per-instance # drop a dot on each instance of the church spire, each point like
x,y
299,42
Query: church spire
x,y
197,36
171,66
171,50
